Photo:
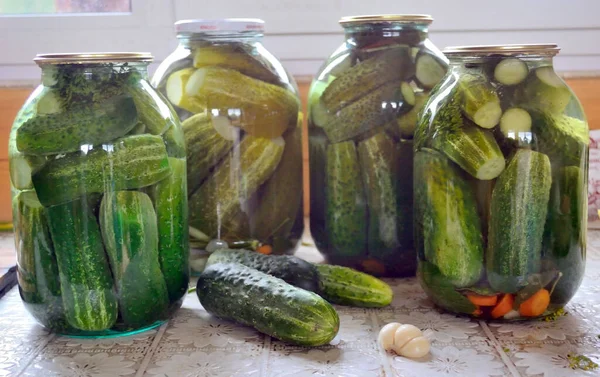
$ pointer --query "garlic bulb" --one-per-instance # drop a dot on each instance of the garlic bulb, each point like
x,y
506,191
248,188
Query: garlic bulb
x,y
405,340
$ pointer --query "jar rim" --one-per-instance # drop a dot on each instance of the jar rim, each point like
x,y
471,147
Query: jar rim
x,y
549,49
93,58
220,24
386,18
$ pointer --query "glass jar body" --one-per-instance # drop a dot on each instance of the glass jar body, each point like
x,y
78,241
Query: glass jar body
x,y
501,163
243,127
363,108
98,177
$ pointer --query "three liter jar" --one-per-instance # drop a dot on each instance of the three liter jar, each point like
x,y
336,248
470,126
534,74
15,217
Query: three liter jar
x,y
110,189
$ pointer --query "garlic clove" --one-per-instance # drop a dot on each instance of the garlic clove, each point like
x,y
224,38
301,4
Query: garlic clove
x,y
415,348
404,334
386,335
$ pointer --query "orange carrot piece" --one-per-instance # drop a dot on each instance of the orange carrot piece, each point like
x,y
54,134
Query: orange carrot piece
x,y
503,306
265,249
483,300
535,305
477,312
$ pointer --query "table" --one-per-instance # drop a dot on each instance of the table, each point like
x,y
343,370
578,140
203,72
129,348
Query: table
x,y
194,344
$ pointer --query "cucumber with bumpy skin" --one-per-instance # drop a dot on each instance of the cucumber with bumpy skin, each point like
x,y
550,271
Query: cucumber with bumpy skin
x,y
69,131
446,218
561,137
205,148
364,77
479,101
151,108
474,150
215,206
85,278
518,213
408,121
270,305
345,286
345,202
317,150
293,270
441,291
171,204
127,163
544,90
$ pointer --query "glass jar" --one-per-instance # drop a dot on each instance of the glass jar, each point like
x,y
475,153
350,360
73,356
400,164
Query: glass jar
x,y
98,175
363,108
501,165
242,124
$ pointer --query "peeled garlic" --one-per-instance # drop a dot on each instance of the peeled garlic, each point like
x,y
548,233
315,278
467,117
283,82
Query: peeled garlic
x,y
405,340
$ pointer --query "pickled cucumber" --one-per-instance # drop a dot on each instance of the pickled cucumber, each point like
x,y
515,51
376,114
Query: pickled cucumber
x,y
205,148
152,109
265,110
392,64
479,101
408,121
561,137
175,89
68,131
317,151
280,197
217,201
544,90
346,204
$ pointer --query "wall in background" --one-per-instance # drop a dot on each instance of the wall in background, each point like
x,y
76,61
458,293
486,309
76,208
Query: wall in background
x,y
303,33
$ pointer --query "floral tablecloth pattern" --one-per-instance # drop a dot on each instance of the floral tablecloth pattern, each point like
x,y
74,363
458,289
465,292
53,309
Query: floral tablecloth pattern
x,y
194,344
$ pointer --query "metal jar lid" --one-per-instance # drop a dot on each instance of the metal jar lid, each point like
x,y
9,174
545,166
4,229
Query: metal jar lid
x,y
548,49
224,24
386,18
93,58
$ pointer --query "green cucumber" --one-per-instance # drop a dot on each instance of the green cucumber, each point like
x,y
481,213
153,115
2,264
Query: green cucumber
x,y
215,207
378,159
441,291
518,213
280,197
69,131
407,122
370,111
38,277
152,108
448,225
85,278
127,163
292,270
511,71
205,148
516,124
345,286
345,202
391,65
317,150
130,233
474,150
270,305
566,231
479,101
561,137
170,202
545,91
429,69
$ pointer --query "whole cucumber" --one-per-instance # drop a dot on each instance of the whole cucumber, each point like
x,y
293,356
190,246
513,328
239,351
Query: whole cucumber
x,y
235,292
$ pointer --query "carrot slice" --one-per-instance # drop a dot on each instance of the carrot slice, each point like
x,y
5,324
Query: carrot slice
x,y
503,306
483,300
265,249
535,305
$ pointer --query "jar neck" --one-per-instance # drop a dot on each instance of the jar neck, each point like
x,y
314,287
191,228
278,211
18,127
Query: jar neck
x,y
191,39
416,32
135,70
470,61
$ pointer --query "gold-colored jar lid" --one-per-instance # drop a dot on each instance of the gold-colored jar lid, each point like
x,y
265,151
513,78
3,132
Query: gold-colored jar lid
x,y
549,49
386,18
93,57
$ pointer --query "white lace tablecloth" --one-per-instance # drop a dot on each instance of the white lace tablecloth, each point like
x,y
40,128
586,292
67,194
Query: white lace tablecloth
x,y
194,344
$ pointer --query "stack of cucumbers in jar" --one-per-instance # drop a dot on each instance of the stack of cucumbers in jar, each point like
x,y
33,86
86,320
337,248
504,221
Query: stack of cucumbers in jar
x,y
98,176
363,112
500,190
242,127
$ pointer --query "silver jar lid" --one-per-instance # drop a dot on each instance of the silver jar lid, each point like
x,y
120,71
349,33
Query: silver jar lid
x,y
215,25
93,58
549,49
386,18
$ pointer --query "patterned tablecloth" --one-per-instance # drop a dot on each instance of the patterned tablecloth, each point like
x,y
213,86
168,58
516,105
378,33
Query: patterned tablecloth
x,y
194,344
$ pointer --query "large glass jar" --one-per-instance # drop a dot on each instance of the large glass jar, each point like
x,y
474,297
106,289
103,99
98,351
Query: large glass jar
x,y
363,108
241,121
501,165
98,176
